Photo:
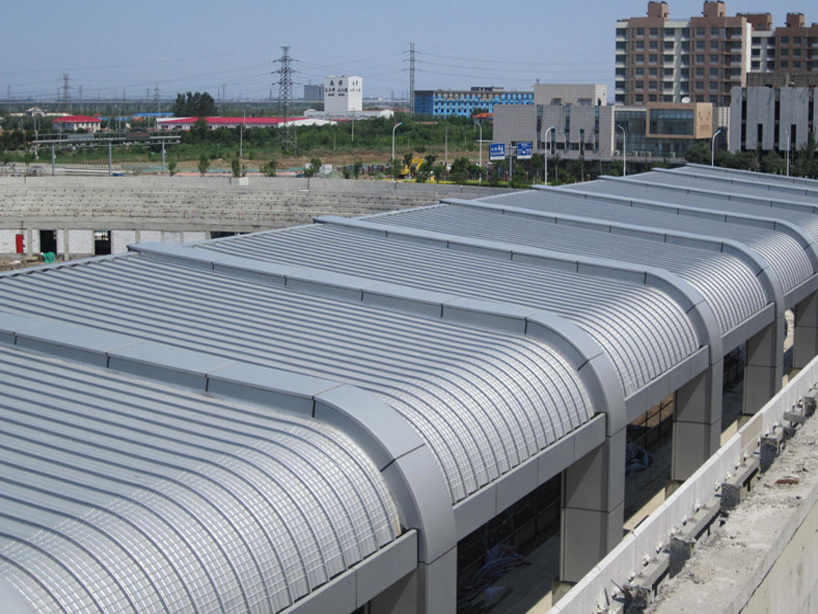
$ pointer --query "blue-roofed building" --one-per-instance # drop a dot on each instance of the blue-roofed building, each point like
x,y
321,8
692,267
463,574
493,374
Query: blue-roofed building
x,y
464,102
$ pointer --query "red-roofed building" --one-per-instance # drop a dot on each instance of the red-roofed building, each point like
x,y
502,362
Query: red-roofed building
x,y
72,123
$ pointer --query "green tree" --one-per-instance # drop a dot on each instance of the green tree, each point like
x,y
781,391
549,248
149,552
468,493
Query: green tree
x,y
698,153
270,168
356,168
805,161
198,104
459,172
772,163
312,169
172,168
235,167
440,172
204,164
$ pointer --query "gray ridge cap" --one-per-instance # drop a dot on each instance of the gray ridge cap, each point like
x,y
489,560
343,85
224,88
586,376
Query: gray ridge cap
x,y
795,232
388,439
757,264
772,203
806,191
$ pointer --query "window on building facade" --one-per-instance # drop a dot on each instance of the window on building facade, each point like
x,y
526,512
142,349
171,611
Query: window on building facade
x,y
700,71
714,59
699,98
784,53
622,32
652,85
668,45
699,85
699,58
638,72
699,32
638,85
686,32
796,53
667,72
653,58
669,32
654,45
668,85
640,45
755,65
640,31
796,40
685,45
640,58
785,64
714,73
639,98
796,65
714,86
784,40
653,71
669,59
700,45
714,31
714,45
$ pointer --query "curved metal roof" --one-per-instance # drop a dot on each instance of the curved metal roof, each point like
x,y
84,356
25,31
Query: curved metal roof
x,y
781,251
123,495
484,400
655,186
726,283
642,329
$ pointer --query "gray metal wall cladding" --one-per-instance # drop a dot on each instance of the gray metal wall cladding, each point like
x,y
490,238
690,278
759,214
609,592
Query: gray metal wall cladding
x,y
732,290
650,188
643,331
122,496
783,253
485,401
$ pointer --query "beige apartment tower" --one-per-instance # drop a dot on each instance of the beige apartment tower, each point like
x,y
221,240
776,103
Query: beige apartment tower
x,y
700,59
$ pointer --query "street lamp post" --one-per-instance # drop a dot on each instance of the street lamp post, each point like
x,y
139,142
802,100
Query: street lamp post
x,y
713,148
480,145
624,148
547,151
392,164
788,150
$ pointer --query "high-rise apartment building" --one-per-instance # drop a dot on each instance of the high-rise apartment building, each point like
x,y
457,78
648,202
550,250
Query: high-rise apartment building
x,y
702,58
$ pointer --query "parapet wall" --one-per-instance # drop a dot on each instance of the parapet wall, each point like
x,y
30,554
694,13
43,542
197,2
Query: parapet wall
x,y
778,538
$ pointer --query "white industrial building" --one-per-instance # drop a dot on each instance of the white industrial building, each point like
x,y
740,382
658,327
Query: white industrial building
x,y
343,94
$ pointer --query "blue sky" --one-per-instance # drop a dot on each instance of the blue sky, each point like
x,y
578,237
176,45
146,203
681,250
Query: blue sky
x,y
111,49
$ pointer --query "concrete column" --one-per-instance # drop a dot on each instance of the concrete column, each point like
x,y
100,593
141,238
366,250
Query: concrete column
x,y
805,333
593,502
764,366
66,246
28,242
696,422
400,598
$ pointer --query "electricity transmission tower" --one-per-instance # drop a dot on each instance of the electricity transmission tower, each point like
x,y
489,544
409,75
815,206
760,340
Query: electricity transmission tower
x,y
412,78
66,88
285,73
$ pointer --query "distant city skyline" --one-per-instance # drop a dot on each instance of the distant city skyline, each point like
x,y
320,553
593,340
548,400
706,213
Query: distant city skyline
x,y
113,50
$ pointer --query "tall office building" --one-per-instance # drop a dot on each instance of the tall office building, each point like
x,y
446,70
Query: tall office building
x,y
703,58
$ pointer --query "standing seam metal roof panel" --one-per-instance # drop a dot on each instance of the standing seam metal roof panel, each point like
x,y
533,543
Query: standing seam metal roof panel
x,y
783,253
732,290
122,495
652,187
642,330
475,438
